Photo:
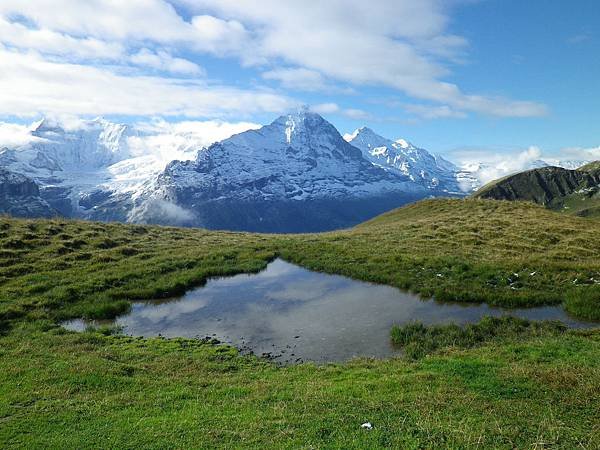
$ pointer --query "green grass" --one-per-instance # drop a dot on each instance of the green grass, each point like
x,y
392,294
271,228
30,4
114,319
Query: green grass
x,y
582,204
418,340
68,390
501,389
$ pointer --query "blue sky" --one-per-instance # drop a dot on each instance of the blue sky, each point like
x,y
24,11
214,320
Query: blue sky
x,y
457,77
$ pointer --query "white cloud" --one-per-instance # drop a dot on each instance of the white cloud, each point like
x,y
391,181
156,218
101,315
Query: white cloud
x,y
130,21
218,36
297,78
334,108
48,41
13,135
39,86
162,60
168,212
579,38
515,163
401,44
325,108
154,20
434,112
583,153
181,140
357,114
488,166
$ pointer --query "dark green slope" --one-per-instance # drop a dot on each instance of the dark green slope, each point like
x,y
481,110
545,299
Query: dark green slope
x,y
572,191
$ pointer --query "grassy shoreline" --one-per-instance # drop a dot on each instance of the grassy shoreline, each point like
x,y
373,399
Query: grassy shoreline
x,y
63,389
500,253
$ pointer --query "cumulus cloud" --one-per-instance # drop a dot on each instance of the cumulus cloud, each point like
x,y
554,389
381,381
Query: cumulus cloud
x,y
162,60
583,153
55,43
489,165
14,135
502,165
141,20
182,140
401,44
38,85
163,211
218,36
135,21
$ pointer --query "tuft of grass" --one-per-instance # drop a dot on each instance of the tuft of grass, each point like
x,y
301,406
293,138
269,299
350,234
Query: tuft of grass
x,y
418,340
583,302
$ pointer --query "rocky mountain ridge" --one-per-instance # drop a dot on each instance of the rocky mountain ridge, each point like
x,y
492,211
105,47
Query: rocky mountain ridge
x,y
295,174
574,191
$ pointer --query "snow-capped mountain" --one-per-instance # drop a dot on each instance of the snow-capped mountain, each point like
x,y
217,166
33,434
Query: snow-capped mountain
x,y
570,164
435,172
296,174
91,159
93,144
401,157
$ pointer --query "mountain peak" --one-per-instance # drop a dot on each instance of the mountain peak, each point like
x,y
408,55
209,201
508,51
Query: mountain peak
x,y
361,132
302,122
301,114
44,125
403,143
373,139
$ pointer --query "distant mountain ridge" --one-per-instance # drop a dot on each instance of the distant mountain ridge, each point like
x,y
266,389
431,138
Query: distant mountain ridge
x,y
402,157
295,174
573,191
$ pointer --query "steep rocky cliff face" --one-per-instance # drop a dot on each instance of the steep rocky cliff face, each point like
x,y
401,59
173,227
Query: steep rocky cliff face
x,y
20,196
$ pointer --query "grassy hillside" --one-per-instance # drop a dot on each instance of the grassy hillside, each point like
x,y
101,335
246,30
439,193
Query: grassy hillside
x,y
63,389
575,192
453,249
594,165
499,252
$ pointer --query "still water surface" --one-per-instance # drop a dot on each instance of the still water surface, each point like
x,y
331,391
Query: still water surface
x,y
294,314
